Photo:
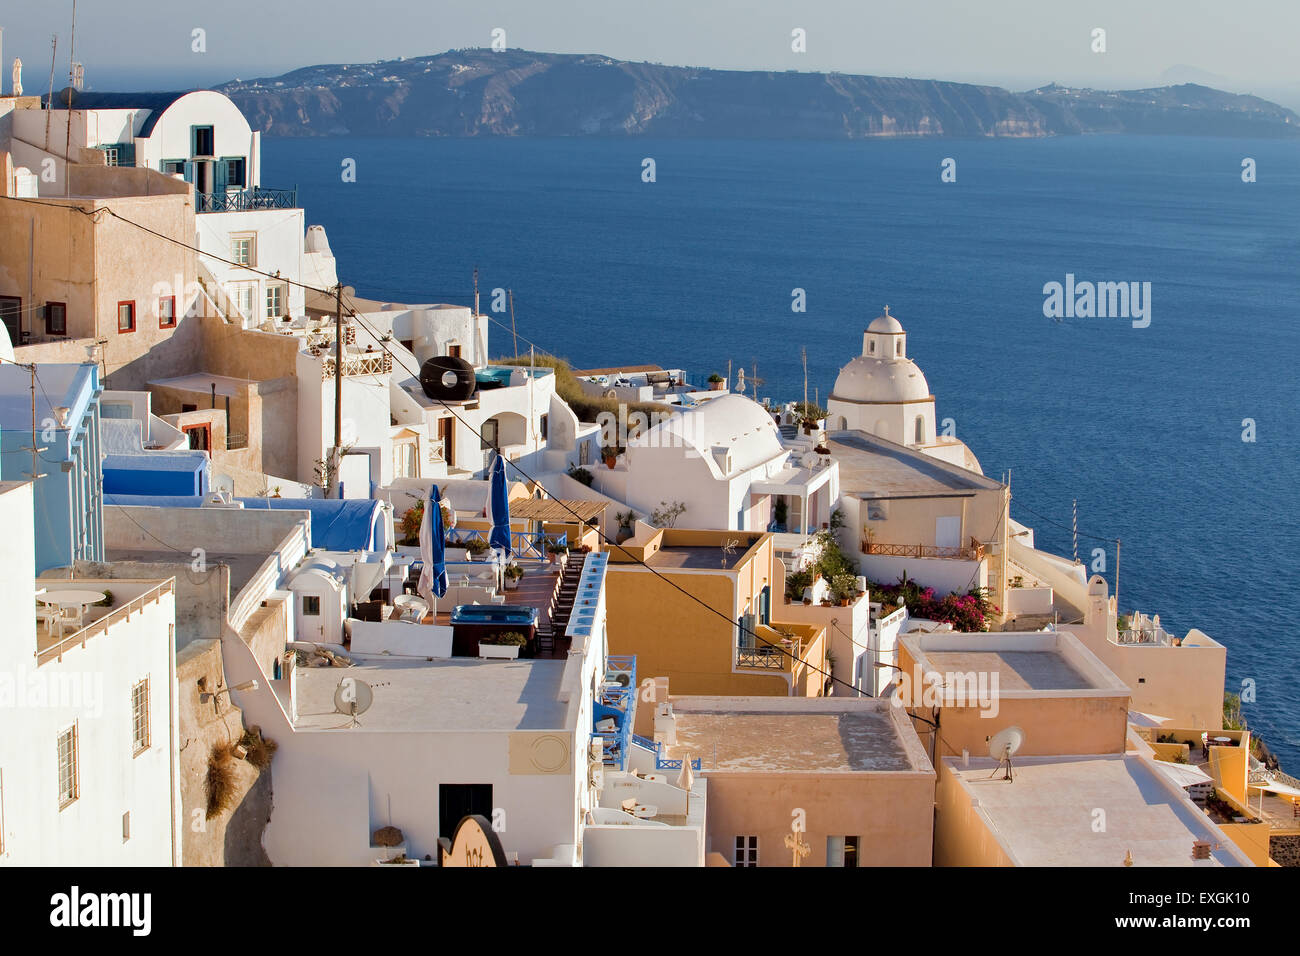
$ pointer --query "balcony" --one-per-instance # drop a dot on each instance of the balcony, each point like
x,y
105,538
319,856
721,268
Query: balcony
x,y
614,710
358,363
245,200
789,650
973,553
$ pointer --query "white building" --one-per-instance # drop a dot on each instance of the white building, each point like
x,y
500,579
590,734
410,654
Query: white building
x,y
883,392
88,772
203,138
725,462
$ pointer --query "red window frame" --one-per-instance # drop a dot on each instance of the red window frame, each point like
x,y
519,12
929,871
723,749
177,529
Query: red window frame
x,y
50,328
131,303
172,323
206,429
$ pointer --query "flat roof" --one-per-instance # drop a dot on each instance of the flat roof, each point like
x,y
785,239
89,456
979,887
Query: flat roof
x,y
1016,670
794,735
872,467
454,695
614,370
1046,816
698,558
242,566
203,382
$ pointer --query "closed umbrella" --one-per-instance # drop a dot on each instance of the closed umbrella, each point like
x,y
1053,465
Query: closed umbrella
x,y
499,506
433,576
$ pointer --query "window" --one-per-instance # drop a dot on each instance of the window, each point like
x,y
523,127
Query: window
x,y
842,851
876,510
898,346
920,429
56,318
851,851
276,301
173,166
490,433
584,453
167,312
545,423
746,851
453,351
871,348
126,317
204,141
242,250
404,460
140,717
242,295
235,169
311,605
186,407
126,826
68,767
110,156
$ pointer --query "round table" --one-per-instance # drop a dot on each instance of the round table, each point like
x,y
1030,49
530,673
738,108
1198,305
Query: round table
x,y
1221,741
66,598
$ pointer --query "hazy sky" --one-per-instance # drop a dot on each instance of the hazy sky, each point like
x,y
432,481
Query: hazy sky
x,y
1243,45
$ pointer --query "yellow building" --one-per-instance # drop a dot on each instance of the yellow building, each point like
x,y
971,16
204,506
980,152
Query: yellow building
x,y
731,640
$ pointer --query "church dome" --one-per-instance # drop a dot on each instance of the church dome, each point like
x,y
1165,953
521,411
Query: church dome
x,y
867,379
885,323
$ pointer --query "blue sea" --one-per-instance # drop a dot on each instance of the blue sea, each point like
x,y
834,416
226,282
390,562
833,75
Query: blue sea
x,y
696,270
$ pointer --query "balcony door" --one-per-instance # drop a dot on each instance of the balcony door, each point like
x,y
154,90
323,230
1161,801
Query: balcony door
x,y
11,313
459,800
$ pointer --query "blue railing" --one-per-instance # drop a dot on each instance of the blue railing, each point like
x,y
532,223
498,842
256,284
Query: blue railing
x,y
661,762
247,199
617,702
524,544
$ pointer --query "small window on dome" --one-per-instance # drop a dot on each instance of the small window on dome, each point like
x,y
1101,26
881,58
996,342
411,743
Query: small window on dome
x,y
898,346
871,348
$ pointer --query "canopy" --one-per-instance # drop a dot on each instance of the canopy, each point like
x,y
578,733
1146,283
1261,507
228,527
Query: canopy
x,y
557,509
1183,774
1139,719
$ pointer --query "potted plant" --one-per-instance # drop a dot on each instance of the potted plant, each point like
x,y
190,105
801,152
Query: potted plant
x,y
795,584
503,646
581,475
513,573
554,550
844,588
626,522
476,548
609,455
716,382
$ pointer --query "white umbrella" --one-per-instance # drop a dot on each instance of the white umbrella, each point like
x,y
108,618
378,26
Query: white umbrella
x,y
1183,774
1139,719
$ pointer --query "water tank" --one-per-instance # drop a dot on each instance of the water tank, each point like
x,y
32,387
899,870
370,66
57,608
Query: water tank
x,y
447,378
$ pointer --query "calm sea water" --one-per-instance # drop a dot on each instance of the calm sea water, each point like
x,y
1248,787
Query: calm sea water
x,y
1142,426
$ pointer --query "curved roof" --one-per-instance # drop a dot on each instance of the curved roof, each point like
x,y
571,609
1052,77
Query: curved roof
x,y
156,103
873,380
741,425
885,323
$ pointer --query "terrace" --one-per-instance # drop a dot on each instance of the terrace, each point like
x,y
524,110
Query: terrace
x,y
66,624
244,200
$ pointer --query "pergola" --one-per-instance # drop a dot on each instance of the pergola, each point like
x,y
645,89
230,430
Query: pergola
x,y
567,510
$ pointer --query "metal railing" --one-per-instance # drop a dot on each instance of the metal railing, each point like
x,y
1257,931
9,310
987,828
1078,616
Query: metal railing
x,y
973,553
101,626
245,200
779,653
236,441
524,544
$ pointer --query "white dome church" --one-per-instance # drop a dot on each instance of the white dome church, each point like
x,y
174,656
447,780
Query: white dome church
x,y
884,393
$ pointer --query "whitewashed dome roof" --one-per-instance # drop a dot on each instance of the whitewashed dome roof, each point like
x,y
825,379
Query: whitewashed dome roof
x,y
867,379
885,323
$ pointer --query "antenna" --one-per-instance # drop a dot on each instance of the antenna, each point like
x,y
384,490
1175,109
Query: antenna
x,y
72,72
513,332
352,698
1002,746
476,292
49,100
1074,527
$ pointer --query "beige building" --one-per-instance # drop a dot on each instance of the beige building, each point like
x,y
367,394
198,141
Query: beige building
x,y
846,780
660,588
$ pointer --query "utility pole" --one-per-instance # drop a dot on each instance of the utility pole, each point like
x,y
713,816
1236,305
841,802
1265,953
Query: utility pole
x,y
804,349
514,334
72,66
1074,527
1117,575
338,383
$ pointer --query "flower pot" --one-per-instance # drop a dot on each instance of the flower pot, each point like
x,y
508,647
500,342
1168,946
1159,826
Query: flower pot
x,y
807,600
512,584
500,652
624,532
611,462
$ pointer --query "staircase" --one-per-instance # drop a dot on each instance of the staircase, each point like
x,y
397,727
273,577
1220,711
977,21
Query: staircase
x,y
561,607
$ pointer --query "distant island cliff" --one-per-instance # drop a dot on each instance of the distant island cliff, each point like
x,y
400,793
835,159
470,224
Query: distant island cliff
x,y
518,93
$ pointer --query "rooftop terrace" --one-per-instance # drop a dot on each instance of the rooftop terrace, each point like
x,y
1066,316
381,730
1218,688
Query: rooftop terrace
x,y
873,467
452,695
792,735
1016,670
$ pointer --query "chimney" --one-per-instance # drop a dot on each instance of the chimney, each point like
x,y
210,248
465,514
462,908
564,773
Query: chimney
x,y
1200,850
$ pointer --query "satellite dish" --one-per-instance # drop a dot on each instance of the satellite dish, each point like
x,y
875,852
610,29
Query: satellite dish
x,y
1003,746
352,698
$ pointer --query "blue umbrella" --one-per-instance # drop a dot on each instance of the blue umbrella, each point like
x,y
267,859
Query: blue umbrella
x,y
433,552
499,507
